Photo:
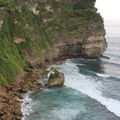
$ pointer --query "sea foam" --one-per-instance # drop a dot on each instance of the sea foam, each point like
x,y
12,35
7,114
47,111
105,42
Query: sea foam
x,y
88,86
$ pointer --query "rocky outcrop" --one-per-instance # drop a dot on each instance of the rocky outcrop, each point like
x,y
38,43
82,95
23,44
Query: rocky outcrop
x,y
17,40
57,81
92,47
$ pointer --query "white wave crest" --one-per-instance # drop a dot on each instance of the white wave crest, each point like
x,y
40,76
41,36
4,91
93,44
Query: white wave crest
x,y
88,86
102,75
26,106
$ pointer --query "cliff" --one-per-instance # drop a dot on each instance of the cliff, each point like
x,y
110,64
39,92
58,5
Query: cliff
x,y
33,32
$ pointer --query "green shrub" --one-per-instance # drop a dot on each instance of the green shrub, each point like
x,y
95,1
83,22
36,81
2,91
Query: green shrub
x,y
54,73
2,79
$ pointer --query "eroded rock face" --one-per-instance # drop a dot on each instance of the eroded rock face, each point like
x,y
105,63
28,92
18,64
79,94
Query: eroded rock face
x,y
71,49
88,45
94,46
57,81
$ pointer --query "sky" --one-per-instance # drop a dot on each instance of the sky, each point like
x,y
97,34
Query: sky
x,y
109,9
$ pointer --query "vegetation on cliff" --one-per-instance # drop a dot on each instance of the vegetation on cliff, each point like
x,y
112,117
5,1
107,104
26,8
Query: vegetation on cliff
x,y
29,27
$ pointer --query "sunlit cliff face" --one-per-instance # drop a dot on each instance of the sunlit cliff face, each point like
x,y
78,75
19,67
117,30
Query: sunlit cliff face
x,y
109,9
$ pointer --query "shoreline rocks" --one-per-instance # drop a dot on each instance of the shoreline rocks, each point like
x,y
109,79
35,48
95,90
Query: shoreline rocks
x,y
57,81
55,78
13,93
10,101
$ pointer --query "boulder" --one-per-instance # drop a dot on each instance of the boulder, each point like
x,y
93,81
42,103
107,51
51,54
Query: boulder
x,y
57,81
18,40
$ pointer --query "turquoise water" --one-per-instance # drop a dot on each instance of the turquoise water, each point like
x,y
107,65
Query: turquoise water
x,y
91,90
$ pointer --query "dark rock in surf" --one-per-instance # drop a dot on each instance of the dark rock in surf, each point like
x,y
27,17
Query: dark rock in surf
x,y
55,79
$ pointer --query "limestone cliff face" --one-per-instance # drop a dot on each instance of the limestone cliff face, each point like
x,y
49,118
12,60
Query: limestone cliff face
x,y
95,45
91,45
33,32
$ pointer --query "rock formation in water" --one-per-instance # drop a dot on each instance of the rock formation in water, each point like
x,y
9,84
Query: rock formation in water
x,y
57,81
33,32
55,78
